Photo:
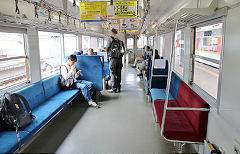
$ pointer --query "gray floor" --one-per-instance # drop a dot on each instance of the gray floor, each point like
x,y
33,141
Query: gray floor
x,y
124,124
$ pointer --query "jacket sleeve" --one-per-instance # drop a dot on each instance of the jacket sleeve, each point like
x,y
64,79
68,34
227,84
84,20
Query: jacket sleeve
x,y
65,74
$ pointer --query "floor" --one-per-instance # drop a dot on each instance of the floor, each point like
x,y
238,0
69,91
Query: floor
x,y
124,124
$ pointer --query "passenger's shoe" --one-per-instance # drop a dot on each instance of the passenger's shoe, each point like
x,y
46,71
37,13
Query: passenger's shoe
x,y
93,104
118,90
139,74
112,91
133,66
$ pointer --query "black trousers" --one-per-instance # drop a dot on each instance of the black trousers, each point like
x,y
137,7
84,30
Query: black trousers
x,y
115,65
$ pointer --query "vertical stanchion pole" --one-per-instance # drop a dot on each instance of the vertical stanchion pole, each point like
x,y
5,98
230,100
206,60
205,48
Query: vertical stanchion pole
x,y
153,62
169,78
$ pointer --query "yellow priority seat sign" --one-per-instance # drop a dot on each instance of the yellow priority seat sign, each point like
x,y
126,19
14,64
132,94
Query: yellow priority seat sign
x,y
125,9
93,11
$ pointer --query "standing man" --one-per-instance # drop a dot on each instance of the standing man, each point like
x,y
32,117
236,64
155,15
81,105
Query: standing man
x,y
114,46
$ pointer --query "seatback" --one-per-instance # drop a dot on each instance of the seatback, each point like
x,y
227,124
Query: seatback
x,y
188,98
159,82
34,94
104,54
174,86
51,86
92,70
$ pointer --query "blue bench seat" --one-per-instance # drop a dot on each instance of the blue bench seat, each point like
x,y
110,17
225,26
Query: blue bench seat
x,y
9,142
46,99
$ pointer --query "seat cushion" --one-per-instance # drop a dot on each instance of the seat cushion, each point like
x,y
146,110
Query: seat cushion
x,y
51,86
49,108
177,125
9,142
34,94
160,94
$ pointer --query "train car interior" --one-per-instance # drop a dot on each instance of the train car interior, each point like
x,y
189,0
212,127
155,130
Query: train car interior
x,y
119,76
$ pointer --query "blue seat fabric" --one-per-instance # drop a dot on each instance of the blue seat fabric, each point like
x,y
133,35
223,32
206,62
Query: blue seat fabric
x,y
9,142
160,94
34,94
159,82
51,86
92,70
174,87
106,71
45,99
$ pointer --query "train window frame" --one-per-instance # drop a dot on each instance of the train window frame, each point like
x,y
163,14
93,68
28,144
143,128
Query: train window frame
x,y
25,57
174,62
211,100
142,41
63,38
100,45
132,44
89,44
62,53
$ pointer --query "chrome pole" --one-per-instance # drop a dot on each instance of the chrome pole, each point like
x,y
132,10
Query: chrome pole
x,y
169,78
153,62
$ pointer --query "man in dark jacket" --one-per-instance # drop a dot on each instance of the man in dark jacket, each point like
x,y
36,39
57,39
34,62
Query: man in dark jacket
x,y
114,47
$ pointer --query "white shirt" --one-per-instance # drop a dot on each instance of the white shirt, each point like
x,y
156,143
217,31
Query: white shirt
x,y
66,72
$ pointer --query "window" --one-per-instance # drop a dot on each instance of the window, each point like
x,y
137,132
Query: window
x,y
140,42
85,42
94,43
100,43
105,42
70,44
130,43
208,44
161,46
179,52
150,41
13,61
50,53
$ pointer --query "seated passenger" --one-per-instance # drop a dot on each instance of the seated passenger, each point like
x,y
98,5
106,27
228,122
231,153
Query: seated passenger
x,y
90,52
143,65
69,71
148,49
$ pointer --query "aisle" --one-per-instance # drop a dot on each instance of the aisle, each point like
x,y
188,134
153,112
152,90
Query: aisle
x,y
124,124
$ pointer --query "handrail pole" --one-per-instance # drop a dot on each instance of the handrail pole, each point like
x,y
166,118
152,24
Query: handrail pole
x,y
169,79
153,62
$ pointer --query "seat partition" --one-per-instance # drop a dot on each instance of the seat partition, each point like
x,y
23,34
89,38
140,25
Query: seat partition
x,y
160,68
92,70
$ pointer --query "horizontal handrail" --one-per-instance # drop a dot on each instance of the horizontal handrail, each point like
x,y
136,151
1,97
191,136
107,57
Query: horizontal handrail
x,y
159,75
187,109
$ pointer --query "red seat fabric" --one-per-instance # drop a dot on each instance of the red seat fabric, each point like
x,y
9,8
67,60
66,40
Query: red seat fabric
x,y
184,125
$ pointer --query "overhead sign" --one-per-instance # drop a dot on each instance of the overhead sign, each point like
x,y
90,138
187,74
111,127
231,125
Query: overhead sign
x,y
93,11
133,32
125,9
112,23
130,24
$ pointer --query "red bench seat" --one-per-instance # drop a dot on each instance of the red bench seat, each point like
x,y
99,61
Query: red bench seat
x,y
184,125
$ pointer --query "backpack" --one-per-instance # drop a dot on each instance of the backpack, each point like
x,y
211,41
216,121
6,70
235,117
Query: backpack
x,y
66,84
115,48
13,114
